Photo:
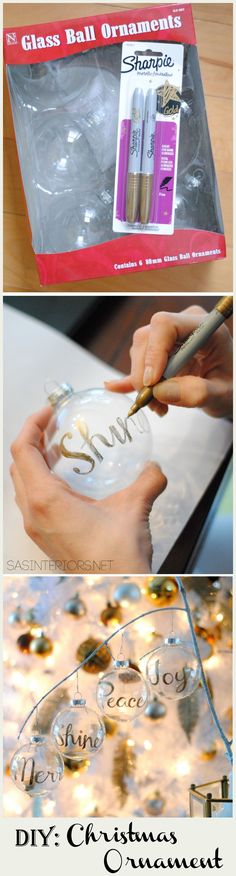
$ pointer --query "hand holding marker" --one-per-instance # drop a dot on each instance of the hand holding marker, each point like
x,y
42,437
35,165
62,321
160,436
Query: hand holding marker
x,y
196,340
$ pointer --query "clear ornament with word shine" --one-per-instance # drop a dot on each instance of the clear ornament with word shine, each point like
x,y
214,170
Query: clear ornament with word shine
x,y
78,732
37,767
173,669
91,444
123,693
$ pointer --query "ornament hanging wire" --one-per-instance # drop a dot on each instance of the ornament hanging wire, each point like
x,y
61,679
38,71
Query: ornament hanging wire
x,y
120,629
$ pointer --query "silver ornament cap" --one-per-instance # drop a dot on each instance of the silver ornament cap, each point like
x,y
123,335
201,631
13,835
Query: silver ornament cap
x,y
58,392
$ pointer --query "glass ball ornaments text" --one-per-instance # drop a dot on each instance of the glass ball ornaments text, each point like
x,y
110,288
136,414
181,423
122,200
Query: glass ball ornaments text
x,y
78,732
91,444
123,693
173,669
37,767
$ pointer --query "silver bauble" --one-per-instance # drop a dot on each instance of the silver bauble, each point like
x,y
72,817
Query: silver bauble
x,y
154,804
127,593
155,709
75,606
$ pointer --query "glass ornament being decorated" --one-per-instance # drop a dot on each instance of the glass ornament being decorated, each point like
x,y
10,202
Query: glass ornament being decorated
x,y
123,693
78,732
37,767
173,669
91,444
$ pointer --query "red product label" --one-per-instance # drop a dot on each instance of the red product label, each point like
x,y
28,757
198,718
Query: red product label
x,y
129,254
44,42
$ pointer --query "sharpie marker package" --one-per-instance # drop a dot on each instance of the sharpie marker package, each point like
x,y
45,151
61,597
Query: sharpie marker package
x,y
65,80
148,137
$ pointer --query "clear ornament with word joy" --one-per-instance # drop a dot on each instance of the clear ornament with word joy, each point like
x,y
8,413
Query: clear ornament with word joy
x,y
173,669
123,693
91,444
37,767
78,732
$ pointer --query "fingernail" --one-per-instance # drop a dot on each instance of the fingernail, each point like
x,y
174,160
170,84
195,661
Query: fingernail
x,y
148,376
167,391
162,413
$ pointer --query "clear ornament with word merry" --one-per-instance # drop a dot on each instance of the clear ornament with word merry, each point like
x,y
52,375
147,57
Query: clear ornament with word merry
x,y
37,767
173,669
78,732
91,443
123,693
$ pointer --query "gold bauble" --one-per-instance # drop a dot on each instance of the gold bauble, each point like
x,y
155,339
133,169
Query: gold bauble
x,y
97,663
110,726
209,753
41,645
75,766
111,616
24,642
161,591
203,633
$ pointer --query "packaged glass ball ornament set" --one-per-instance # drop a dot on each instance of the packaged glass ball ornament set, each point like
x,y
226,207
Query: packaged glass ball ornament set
x,y
90,442
113,143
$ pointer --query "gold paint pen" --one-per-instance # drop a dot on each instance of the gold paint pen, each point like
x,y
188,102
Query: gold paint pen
x,y
147,166
135,154
195,341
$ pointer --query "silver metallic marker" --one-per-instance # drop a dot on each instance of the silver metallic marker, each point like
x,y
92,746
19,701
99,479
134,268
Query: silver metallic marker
x,y
147,166
195,341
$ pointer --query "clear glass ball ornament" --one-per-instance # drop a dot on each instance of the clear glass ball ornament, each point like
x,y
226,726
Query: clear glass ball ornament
x,y
78,732
96,105
91,444
78,221
52,83
37,767
123,693
63,159
173,669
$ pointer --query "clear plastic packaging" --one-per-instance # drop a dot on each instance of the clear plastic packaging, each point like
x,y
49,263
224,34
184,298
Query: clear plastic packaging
x,y
66,115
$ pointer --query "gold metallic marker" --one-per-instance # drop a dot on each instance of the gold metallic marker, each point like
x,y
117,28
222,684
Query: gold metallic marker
x,y
195,341
147,167
135,153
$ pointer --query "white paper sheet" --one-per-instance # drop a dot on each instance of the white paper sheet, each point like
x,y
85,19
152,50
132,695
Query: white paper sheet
x,y
188,444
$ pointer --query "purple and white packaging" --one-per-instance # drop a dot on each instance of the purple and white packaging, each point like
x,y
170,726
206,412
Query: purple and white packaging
x,y
148,69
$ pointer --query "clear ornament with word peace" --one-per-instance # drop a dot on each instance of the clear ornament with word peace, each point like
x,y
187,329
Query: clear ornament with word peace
x,y
78,732
37,767
173,669
123,693
91,443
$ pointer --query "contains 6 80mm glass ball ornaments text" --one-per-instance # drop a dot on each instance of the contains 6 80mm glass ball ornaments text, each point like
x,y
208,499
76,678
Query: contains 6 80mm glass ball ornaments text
x,y
90,443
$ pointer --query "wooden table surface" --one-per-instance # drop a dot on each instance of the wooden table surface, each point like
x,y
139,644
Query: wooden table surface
x,y
213,24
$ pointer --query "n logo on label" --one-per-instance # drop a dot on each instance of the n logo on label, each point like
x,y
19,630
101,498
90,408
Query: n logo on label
x,y
11,38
